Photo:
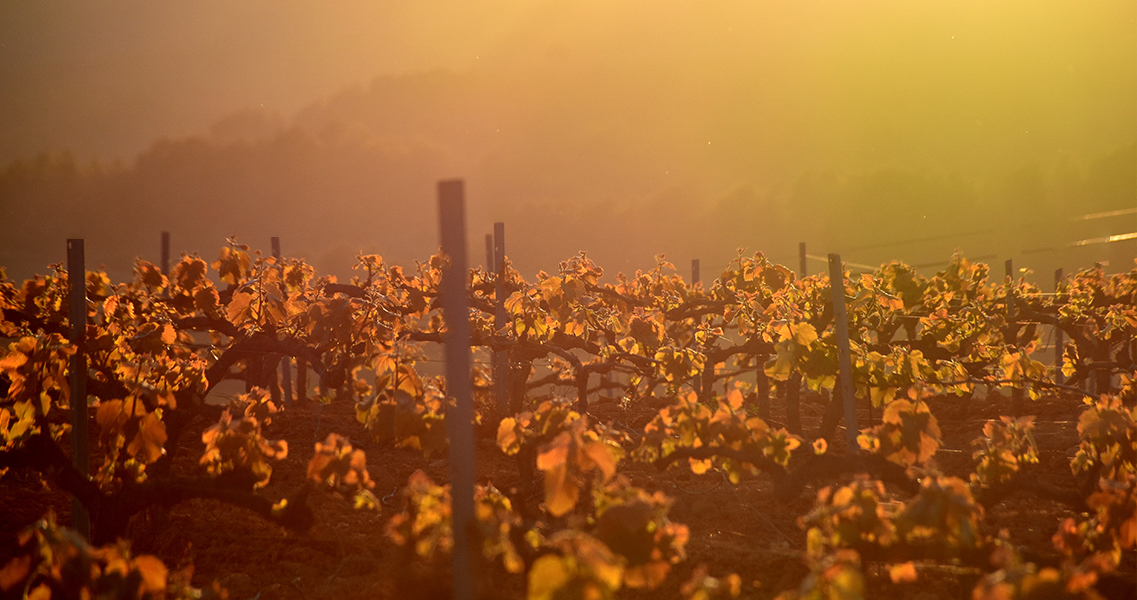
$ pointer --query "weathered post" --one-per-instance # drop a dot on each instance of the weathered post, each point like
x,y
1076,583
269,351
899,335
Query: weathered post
x,y
501,366
1059,335
165,264
460,416
792,386
1012,331
697,381
301,378
762,389
844,361
286,361
77,335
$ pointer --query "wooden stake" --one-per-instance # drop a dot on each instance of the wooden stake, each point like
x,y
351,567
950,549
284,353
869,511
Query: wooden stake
x,y
793,384
1059,338
841,324
301,378
460,416
694,271
285,362
793,403
1016,391
762,389
501,366
165,253
77,335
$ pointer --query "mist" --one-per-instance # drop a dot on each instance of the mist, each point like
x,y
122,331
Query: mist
x,y
883,130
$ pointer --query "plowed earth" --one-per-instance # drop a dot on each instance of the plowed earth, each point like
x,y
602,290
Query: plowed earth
x,y
734,528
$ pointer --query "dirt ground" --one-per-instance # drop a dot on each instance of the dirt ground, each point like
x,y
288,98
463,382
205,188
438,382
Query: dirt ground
x,y
734,528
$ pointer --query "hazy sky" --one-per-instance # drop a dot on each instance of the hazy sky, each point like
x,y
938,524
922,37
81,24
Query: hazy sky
x,y
761,123
107,77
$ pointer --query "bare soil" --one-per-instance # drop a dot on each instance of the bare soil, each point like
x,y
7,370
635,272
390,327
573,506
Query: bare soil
x,y
734,528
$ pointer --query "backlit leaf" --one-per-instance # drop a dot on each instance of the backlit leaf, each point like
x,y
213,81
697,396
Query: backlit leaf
x,y
902,573
546,578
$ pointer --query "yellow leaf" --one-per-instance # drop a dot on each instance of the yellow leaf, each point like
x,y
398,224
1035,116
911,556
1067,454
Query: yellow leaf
x,y
782,366
546,577
507,438
366,500
881,395
41,592
805,334
784,333
847,583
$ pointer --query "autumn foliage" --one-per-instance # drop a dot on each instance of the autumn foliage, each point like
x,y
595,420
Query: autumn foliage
x,y
157,346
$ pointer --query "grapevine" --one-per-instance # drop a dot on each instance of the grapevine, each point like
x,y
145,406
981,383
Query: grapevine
x,y
158,345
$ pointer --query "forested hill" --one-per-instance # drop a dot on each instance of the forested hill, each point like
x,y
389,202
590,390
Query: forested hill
x,y
357,172
329,199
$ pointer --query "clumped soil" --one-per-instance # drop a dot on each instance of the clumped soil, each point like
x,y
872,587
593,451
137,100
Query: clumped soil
x,y
739,529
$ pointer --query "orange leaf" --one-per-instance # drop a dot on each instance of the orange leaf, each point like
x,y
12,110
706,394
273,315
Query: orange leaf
x,y
902,573
1128,533
238,310
206,300
604,457
13,361
16,571
561,490
108,412
147,444
153,574
169,336
555,452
